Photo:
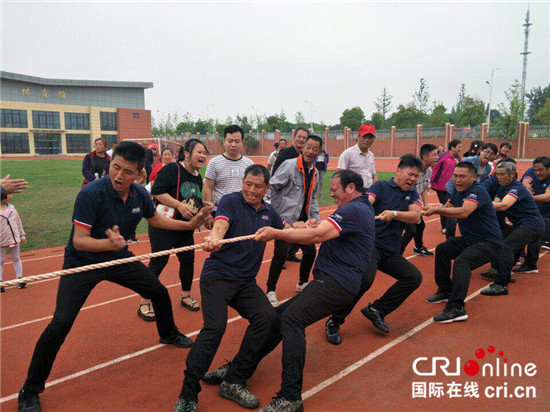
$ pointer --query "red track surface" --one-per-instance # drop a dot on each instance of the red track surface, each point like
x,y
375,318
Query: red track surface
x,y
108,329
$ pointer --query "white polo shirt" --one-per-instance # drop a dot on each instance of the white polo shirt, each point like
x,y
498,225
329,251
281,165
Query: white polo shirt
x,y
361,163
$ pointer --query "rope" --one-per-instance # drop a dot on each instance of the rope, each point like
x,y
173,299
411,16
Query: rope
x,y
110,263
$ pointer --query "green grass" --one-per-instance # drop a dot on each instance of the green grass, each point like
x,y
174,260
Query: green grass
x,y
46,206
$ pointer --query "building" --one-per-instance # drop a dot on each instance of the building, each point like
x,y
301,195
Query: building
x,y
63,117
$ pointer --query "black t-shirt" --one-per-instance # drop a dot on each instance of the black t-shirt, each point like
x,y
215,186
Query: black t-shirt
x,y
99,164
190,187
285,154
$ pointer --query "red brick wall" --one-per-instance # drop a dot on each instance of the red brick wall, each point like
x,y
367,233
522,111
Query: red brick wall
x,y
133,127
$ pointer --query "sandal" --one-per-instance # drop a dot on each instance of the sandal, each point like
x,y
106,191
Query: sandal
x,y
193,307
148,315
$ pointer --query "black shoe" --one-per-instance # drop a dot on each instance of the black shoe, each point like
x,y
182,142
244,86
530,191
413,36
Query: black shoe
x,y
451,314
422,251
2,289
331,332
279,404
284,266
177,339
375,317
489,273
438,297
494,290
185,405
525,269
239,393
216,376
28,402
293,258
21,285
546,245
133,239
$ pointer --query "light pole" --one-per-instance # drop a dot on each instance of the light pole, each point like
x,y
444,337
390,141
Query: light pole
x,y
490,97
311,117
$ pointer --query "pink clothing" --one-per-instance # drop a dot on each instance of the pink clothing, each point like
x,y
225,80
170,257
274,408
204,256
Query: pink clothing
x,y
443,170
11,231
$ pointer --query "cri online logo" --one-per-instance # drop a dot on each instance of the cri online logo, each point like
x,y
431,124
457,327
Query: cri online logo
x,y
500,367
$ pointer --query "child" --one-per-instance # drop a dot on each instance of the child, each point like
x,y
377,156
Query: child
x,y
10,236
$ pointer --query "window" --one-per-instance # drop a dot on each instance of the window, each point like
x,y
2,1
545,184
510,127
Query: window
x,y
14,118
15,143
45,120
108,121
78,143
111,138
47,143
77,121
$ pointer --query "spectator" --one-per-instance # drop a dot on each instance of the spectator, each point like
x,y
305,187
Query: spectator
x,y
110,151
96,163
321,164
167,156
281,144
474,149
440,151
13,185
292,152
359,158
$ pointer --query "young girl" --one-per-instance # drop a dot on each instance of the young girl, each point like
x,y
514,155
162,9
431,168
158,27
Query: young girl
x,y
11,234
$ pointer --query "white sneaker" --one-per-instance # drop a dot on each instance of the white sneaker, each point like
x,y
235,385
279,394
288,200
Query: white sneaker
x,y
300,288
272,297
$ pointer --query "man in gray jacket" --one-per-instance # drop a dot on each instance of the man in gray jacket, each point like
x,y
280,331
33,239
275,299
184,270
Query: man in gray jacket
x,y
292,194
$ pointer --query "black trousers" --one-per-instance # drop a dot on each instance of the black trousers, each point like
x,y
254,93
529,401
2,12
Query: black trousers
x,y
167,239
408,278
322,297
279,256
416,231
247,298
466,258
73,291
533,249
442,197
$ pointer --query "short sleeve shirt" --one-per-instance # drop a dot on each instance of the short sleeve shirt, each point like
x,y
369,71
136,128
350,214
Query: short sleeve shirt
x,y
361,163
540,187
525,211
529,173
240,259
345,258
482,224
492,186
98,207
227,175
389,196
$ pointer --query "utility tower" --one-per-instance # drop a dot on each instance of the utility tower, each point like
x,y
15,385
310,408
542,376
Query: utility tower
x,y
525,53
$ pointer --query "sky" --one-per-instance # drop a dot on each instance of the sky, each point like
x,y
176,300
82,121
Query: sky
x,y
218,59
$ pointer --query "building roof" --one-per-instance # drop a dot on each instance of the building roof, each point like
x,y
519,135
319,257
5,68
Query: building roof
x,y
68,82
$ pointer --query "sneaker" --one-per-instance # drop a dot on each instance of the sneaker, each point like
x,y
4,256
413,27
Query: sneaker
x,y
451,314
132,240
422,251
272,297
375,317
331,332
444,231
2,289
239,393
21,285
489,273
525,269
185,405
216,376
293,258
279,404
177,339
546,245
284,266
493,290
28,402
301,286
438,297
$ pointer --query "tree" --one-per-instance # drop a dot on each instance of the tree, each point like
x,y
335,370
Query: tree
x,y
244,123
377,120
407,117
461,96
186,125
543,115
352,118
537,99
299,118
421,97
383,103
511,113
438,117
471,113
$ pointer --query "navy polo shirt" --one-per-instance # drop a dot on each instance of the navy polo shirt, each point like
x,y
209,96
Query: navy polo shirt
x,y
492,185
240,259
98,207
525,211
345,258
389,196
482,224
529,173
540,187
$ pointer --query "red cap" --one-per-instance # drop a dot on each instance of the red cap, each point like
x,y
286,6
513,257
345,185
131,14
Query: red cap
x,y
367,129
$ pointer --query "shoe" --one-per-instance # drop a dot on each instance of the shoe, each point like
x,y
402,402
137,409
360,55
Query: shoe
x,y
525,269
451,314
331,332
132,240
216,376
2,289
438,297
272,299
239,393
493,290
546,245
444,231
146,316
375,317
279,404
293,258
21,285
185,405
422,251
193,307
489,273
284,266
28,402
301,286
177,339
